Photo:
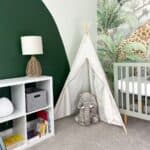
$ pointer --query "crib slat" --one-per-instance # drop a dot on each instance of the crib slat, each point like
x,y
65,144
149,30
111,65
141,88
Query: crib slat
x,y
145,84
133,91
121,75
139,89
127,88
116,71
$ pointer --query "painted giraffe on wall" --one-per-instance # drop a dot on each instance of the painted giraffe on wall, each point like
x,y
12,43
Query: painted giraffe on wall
x,y
141,35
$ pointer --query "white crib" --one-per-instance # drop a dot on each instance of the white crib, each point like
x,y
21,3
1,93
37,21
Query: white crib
x,y
132,89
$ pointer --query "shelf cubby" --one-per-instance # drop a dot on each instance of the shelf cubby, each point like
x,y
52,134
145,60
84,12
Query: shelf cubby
x,y
16,95
18,127
32,120
18,98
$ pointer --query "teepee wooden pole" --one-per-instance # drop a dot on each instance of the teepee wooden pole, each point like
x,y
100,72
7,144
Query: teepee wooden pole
x,y
86,28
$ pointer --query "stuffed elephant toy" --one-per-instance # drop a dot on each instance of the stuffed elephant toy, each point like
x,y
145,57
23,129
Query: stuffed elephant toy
x,y
87,110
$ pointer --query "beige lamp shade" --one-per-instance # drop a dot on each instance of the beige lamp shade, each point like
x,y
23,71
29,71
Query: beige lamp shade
x,y
31,45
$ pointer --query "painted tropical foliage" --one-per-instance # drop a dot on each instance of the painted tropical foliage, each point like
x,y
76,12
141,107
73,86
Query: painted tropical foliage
x,y
117,20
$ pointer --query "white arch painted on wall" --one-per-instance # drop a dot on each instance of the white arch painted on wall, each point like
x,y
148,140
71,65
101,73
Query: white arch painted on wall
x,y
70,17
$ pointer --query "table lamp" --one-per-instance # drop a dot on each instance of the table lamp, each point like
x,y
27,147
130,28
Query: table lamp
x,y
32,45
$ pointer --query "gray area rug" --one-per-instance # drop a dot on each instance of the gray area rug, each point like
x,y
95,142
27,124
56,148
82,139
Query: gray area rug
x,y
71,136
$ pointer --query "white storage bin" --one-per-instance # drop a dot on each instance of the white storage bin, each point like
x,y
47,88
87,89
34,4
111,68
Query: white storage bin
x,y
35,99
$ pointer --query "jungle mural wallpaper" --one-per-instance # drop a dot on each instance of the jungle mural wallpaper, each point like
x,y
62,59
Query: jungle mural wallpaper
x,y
123,32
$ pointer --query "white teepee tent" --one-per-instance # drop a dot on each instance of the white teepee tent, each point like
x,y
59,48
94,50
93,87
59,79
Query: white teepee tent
x,y
87,74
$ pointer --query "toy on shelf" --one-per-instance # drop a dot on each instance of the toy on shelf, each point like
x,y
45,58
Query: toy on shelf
x,y
42,125
43,115
13,141
6,107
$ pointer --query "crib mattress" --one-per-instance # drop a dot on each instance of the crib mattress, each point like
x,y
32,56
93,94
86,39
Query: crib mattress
x,y
134,86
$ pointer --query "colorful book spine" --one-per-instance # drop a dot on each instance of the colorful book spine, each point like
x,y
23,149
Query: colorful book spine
x,y
2,145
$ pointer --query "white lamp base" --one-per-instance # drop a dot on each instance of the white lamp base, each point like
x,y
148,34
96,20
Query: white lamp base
x,y
33,68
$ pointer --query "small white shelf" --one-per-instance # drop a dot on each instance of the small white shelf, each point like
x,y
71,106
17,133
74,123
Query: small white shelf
x,y
40,109
19,117
34,141
39,139
13,116
22,80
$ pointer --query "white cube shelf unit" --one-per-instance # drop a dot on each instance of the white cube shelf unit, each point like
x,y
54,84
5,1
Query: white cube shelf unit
x,y
19,116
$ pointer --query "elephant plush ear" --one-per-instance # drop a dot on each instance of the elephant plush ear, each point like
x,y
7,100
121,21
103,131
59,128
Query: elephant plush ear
x,y
93,100
80,104
81,95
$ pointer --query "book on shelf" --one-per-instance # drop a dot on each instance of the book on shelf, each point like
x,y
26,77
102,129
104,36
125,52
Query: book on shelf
x,y
2,145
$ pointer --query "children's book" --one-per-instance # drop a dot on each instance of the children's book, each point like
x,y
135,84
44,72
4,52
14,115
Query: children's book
x,y
2,145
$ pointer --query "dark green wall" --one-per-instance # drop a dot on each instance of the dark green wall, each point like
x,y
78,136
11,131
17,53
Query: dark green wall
x,y
30,17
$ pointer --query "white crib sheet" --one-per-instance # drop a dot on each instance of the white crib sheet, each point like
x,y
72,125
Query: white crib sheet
x,y
133,86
